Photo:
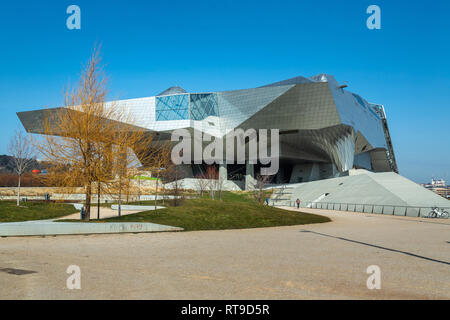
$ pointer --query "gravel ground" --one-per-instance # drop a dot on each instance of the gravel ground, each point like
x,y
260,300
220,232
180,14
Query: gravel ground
x,y
104,213
322,261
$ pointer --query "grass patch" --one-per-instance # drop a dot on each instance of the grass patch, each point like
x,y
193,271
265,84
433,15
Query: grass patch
x,y
10,212
234,211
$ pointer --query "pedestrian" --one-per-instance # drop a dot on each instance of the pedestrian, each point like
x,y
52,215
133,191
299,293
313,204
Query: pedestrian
x,y
298,203
267,200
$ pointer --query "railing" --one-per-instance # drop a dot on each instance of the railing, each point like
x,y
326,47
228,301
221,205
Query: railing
x,y
367,208
278,195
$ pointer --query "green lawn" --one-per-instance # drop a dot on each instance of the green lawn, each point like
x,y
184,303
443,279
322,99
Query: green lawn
x,y
10,212
234,211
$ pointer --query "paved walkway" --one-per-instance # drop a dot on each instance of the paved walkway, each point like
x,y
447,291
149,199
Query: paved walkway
x,y
321,261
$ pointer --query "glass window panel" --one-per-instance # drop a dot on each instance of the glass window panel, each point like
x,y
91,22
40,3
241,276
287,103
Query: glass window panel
x,y
203,105
174,107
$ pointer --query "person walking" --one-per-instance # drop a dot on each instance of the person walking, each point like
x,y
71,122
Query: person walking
x,y
267,200
298,203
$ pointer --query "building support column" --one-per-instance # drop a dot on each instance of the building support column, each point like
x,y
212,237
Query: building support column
x,y
223,172
279,178
250,180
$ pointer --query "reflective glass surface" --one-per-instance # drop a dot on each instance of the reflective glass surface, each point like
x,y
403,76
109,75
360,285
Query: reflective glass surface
x,y
174,107
203,105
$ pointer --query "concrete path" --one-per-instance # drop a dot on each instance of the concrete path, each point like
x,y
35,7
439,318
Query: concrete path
x,y
321,261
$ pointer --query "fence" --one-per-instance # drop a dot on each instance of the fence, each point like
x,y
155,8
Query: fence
x,y
398,210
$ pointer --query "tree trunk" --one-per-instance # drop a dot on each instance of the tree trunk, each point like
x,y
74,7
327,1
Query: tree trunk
x,y
98,200
18,192
156,192
88,202
120,198
139,190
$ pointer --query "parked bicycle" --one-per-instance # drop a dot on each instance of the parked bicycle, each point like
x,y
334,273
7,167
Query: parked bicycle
x,y
436,213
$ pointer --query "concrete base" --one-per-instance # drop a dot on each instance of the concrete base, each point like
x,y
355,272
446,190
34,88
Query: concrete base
x,y
50,228
135,207
364,191
193,184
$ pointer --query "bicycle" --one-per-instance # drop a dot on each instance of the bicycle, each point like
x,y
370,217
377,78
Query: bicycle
x,y
435,213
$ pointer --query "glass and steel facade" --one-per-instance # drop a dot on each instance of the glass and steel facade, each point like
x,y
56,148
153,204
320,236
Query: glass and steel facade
x,y
196,106
320,122
203,105
174,107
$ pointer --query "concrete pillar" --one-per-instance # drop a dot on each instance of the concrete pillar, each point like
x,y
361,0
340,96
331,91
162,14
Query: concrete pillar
x,y
250,180
223,172
279,178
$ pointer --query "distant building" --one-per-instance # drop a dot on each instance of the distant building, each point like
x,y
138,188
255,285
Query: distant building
x,y
438,186
438,183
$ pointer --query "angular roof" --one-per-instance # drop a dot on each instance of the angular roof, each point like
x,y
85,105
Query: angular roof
x,y
172,90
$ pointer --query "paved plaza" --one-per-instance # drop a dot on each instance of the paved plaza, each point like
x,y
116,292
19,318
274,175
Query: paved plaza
x,y
321,261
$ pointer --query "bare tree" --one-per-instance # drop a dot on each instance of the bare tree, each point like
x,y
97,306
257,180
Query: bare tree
x,y
212,176
91,143
102,172
72,136
121,169
214,183
259,193
159,162
127,155
21,151
176,175
201,184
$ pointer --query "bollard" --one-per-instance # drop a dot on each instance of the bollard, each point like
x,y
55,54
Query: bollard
x,y
82,213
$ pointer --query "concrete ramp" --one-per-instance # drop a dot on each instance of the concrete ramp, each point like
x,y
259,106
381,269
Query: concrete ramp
x,y
364,191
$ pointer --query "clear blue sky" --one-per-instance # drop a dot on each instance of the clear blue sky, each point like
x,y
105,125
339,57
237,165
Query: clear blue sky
x,y
219,45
